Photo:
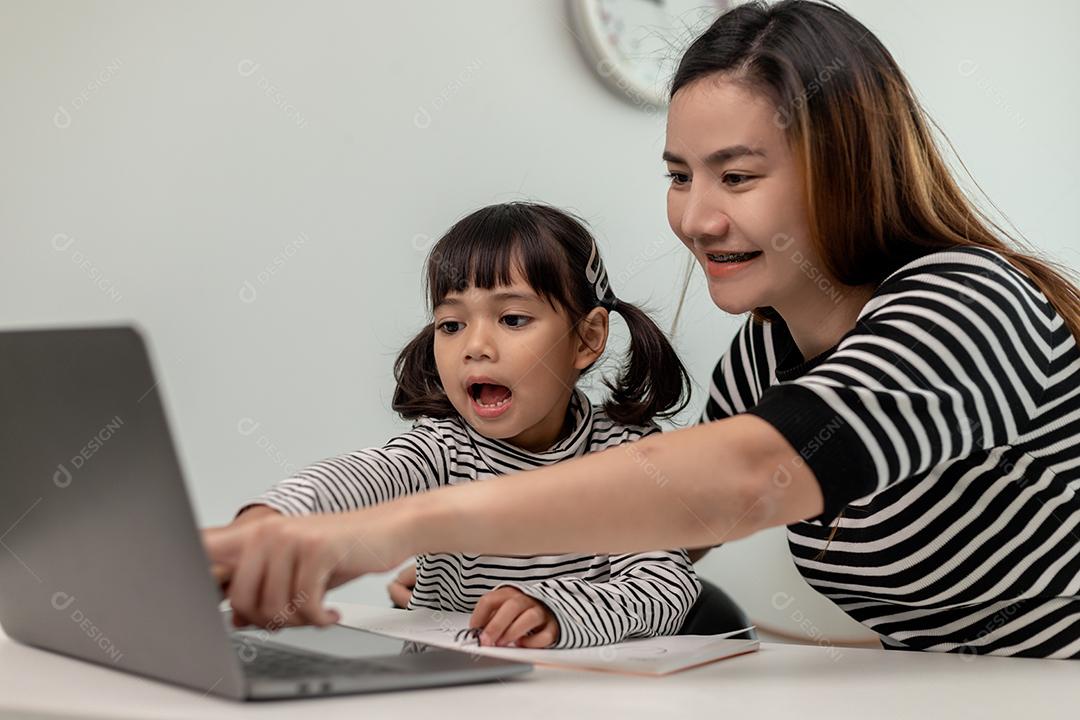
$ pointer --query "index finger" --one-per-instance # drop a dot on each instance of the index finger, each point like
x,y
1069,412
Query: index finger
x,y
224,543
222,573
223,547
485,608
503,619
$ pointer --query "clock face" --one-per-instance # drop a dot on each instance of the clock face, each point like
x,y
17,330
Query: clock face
x,y
635,45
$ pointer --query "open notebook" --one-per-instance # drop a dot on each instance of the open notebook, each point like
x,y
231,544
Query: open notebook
x,y
652,656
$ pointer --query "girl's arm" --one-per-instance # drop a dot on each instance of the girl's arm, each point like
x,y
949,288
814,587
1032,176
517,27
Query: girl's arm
x,y
412,462
696,554
649,594
688,488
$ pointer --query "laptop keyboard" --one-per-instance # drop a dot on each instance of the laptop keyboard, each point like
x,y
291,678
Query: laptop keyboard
x,y
271,661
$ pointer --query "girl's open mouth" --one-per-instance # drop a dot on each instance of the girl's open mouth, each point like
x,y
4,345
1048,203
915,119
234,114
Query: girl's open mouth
x,y
490,401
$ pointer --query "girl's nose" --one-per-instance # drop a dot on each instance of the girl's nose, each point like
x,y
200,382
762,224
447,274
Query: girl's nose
x,y
479,345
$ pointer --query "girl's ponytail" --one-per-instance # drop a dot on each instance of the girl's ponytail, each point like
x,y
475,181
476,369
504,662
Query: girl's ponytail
x,y
652,381
419,391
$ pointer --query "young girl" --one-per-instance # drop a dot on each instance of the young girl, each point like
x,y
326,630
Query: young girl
x,y
520,301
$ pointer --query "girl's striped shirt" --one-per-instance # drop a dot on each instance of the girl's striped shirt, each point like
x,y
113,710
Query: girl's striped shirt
x,y
944,430
597,599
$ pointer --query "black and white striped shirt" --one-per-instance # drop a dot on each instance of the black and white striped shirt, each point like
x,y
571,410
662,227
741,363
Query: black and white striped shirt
x,y
597,599
944,430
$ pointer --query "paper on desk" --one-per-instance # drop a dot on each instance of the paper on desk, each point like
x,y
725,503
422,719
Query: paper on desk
x,y
651,656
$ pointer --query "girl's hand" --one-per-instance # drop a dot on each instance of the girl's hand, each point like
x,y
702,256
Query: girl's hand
x,y
401,588
508,615
276,570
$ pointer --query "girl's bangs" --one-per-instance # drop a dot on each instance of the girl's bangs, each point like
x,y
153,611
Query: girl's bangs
x,y
486,248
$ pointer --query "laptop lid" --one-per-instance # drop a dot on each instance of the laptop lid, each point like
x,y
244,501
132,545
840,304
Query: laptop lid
x,y
100,555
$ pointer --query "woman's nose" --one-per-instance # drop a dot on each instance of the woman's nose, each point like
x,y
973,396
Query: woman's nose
x,y
702,216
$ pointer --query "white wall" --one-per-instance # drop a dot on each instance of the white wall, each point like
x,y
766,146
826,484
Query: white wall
x,y
188,157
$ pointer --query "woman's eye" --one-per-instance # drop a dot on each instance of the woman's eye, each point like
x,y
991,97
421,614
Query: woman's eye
x,y
744,179
677,178
449,327
516,320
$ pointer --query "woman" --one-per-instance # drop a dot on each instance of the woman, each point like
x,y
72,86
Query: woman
x,y
905,397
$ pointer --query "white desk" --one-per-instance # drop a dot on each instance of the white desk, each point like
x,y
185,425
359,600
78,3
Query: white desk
x,y
781,681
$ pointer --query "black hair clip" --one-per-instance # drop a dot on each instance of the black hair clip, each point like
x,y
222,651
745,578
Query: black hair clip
x,y
596,274
463,636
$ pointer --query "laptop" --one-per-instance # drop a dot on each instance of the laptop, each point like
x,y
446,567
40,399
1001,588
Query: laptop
x,y
101,558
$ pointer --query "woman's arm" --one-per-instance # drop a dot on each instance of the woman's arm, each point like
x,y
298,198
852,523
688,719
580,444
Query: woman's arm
x,y
254,512
688,488
696,487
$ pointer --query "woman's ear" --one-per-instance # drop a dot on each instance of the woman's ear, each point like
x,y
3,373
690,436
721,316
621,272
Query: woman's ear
x,y
592,337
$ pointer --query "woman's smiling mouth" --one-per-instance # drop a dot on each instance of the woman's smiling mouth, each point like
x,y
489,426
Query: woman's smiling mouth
x,y
720,265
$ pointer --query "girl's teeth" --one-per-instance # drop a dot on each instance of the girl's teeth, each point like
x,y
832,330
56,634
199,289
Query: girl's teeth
x,y
498,404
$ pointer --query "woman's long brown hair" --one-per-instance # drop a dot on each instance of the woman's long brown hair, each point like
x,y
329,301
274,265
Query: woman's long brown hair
x,y
879,193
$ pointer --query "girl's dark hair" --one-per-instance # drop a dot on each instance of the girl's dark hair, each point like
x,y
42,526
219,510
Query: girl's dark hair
x,y
551,249
877,188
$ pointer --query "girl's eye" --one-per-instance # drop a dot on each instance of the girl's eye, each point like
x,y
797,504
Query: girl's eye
x,y
516,321
449,327
677,178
